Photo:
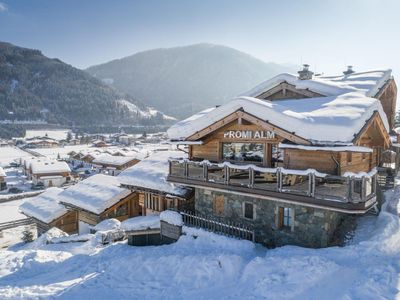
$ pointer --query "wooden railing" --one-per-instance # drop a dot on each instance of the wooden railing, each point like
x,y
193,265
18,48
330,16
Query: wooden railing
x,y
352,188
213,224
16,223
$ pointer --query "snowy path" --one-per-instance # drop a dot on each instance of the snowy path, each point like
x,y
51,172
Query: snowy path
x,y
209,267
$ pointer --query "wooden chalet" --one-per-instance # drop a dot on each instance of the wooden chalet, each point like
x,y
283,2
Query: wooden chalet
x,y
47,212
295,157
49,172
148,179
113,165
97,198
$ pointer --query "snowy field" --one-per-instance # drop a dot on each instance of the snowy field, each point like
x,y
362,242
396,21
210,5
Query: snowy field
x,y
203,265
10,154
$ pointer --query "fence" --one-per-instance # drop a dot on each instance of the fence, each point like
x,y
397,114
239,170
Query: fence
x,y
227,228
17,223
385,178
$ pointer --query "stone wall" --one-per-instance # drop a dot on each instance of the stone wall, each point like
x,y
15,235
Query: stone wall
x,y
311,227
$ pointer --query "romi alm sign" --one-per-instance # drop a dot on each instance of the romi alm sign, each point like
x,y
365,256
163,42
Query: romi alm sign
x,y
249,134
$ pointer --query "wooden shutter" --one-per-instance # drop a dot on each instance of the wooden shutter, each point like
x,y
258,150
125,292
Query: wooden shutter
x,y
219,205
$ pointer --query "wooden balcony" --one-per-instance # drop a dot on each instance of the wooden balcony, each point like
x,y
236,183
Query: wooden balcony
x,y
350,194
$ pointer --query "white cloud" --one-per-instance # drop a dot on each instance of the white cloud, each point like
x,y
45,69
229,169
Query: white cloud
x,y
3,7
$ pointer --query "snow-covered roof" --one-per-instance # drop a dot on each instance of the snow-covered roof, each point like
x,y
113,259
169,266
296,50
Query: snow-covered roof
x,y
334,149
334,118
107,225
46,166
151,173
320,120
108,159
44,207
366,83
141,223
95,194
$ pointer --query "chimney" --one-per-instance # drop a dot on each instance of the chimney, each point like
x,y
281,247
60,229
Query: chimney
x,y
349,70
305,74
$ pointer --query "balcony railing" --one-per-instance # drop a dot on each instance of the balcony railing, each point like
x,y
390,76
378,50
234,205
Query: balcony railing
x,y
349,188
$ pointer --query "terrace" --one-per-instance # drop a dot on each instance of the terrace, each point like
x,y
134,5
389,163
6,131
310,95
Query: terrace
x,y
353,193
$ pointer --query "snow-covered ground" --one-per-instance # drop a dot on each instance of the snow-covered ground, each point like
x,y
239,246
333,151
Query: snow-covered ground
x,y
11,154
203,265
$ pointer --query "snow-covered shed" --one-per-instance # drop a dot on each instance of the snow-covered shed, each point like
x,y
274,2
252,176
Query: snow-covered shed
x,y
47,212
149,179
97,198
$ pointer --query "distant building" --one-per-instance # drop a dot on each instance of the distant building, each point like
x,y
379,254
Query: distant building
x,y
3,183
49,172
113,165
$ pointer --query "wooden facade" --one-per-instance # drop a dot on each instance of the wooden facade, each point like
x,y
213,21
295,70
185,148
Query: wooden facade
x,y
373,136
126,208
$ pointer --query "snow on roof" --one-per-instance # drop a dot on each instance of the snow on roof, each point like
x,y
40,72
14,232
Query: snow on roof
x,y
44,207
141,223
338,148
333,119
95,194
151,173
46,166
108,224
108,159
2,172
366,83
171,217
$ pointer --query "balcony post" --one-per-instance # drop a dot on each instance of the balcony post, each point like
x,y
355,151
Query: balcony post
x,y
205,172
349,189
170,167
251,177
226,173
363,189
186,169
311,185
279,179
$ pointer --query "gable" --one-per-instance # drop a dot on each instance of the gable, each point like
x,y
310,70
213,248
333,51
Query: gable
x,y
285,90
373,134
242,121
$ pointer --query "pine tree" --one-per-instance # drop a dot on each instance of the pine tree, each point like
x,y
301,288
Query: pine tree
x,y
27,235
69,136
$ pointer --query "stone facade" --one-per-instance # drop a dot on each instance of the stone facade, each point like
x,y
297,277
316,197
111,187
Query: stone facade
x,y
310,227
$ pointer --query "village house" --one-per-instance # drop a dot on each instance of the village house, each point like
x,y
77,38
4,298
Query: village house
x,y
113,165
148,179
295,158
47,212
97,198
3,176
49,172
41,142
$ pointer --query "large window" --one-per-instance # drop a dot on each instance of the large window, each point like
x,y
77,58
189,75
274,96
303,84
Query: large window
x,y
245,152
285,217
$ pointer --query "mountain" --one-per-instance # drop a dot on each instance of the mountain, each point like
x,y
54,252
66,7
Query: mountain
x,y
183,80
34,87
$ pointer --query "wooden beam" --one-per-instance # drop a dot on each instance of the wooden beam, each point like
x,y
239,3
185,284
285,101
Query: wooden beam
x,y
374,120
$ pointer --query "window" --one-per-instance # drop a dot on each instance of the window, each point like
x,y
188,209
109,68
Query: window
x,y
122,210
219,205
364,156
246,152
285,217
248,210
277,156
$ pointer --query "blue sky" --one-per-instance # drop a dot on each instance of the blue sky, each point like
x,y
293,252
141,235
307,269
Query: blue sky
x,y
326,34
